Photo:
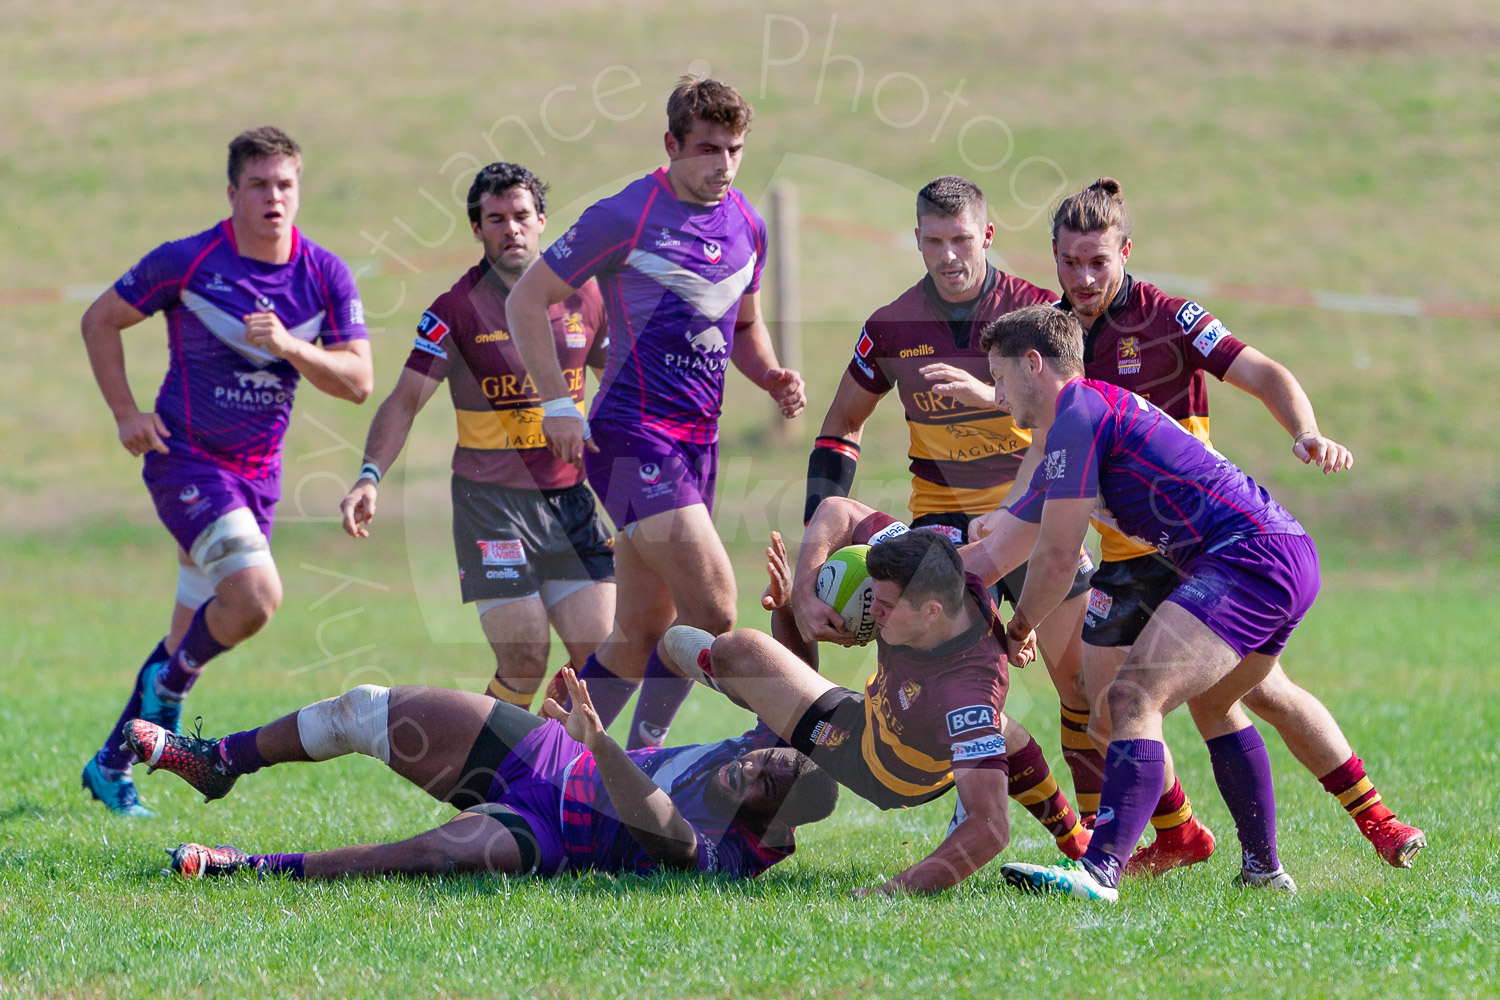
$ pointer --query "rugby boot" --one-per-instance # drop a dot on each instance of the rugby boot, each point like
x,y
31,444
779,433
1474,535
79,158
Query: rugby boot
x,y
115,789
193,759
156,707
198,860
1278,880
1182,845
689,649
1070,878
557,690
1394,841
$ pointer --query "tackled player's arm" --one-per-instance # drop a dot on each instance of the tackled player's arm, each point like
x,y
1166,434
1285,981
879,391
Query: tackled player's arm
x,y
647,811
1278,389
969,846
755,356
1053,563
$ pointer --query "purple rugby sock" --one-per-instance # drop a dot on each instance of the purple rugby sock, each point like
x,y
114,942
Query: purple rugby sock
x,y
239,752
607,691
278,864
1242,769
198,646
110,755
1134,771
662,695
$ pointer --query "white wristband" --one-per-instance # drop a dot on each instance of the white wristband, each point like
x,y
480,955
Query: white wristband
x,y
369,471
562,406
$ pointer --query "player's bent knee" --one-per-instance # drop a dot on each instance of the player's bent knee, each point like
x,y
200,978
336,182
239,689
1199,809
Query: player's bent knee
x,y
733,652
354,722
1129,703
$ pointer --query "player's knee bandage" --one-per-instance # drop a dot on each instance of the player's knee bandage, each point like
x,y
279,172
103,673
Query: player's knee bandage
x,y
354,722
232,543
193,586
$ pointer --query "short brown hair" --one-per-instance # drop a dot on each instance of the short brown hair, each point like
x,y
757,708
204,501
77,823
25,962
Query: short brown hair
x,y
697,98
924,564
953,196
256,144
1094,210
1053,333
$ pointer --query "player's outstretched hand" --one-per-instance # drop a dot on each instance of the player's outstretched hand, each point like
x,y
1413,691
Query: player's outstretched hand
x,y
1315,449
582,723
143,432
787,389
265,331
358,508
779,590
959,385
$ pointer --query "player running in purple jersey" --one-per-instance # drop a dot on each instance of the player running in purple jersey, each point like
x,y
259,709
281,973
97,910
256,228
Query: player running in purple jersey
x,y
1249,575
678,255
252,307
532,550
537,796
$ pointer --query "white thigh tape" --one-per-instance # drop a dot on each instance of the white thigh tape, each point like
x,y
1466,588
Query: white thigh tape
x,y
193,587
231,544
354,722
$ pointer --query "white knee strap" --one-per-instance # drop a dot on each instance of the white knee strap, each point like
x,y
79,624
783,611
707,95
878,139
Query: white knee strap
x,y
193,587
354,722
230,544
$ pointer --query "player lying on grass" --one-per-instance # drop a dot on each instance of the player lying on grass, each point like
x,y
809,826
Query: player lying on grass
x,y
930,718
540,796
1249,571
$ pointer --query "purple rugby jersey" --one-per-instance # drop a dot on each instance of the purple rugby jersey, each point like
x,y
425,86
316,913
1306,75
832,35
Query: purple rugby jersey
x,y
223,400
672,274
1156,481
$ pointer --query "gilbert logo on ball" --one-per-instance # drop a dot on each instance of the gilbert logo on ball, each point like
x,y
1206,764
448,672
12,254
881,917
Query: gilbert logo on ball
x,y
844,585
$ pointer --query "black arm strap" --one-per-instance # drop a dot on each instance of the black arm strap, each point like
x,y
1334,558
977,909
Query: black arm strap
x,y
830,472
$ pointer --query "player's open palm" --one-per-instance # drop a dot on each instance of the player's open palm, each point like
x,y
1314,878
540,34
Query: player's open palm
x,y
582,723
143,432
779,589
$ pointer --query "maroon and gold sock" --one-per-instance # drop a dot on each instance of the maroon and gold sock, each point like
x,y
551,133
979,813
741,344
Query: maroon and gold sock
x,y
1085,762
1172,810
501,691
1032,785
1356,793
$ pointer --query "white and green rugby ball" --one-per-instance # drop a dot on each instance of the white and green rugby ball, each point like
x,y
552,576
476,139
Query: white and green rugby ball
x,y
844,585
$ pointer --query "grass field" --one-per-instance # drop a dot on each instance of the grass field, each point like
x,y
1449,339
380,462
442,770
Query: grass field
x,y
1295,147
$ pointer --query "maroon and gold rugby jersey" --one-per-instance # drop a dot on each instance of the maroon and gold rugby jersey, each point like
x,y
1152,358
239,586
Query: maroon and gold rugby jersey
x,y
929,712
1158,346
962,458
463,337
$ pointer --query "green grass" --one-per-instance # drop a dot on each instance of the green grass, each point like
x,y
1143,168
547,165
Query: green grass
x,y
1348,149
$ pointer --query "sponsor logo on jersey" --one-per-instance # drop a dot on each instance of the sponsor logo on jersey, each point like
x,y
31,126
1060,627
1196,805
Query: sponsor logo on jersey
x,y
563,247
494,336
356,312
888,532
948,531
258,380
985,746
1085,561
961,720
712,251
508,573
1189,315
1129,355
830,736
128,278
709,341
217,284
502,552
923,351
667,239
432,329
908,693
1100,603
650,473
189,494
1055,464
862,349
1211,335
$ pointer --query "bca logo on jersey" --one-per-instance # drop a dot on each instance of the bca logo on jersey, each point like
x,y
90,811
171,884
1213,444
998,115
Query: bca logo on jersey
x,y
1189,315
1055,464
961,720
712,251
502,552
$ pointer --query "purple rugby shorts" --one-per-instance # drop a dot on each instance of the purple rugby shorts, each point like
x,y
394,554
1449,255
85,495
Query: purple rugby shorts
x,y
638,472
190,495
530,782
1253,591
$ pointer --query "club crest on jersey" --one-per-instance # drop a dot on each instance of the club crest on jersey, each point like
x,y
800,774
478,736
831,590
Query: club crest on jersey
x,y
264,304
908,693
1129,355
1189,315
502,552
961,720
712,251
573,333
189,494
650,473
825,735
1055,464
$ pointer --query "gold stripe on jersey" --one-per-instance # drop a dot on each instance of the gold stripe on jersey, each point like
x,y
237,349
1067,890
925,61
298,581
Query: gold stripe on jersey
x,y
502,430
930,498
910,757
889,780
1116,547
968,440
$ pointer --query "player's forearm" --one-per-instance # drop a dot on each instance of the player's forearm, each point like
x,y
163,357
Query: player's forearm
x,y
1001,551
526,315
646,810
831,528
343,374
388,432
752,353
106,350
1049,575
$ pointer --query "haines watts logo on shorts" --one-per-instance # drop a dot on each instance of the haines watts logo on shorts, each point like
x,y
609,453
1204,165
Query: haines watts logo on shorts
x,y
961,720
502,552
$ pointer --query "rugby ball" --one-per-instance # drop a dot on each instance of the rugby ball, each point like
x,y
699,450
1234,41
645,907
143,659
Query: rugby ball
x,y
844,585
